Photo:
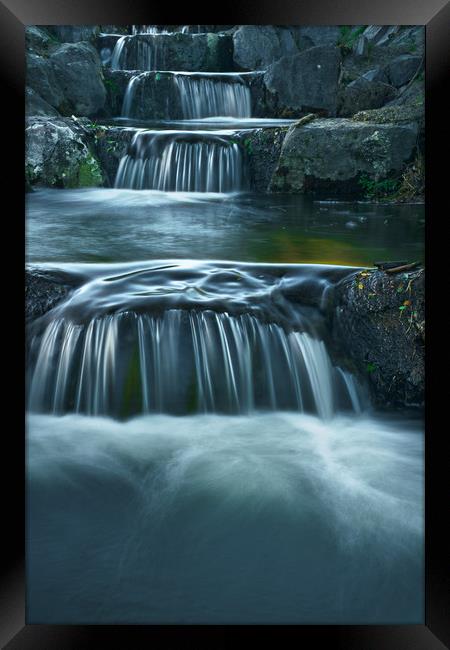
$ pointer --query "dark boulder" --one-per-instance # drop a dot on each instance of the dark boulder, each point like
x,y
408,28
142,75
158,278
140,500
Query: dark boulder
x,y
379,324
307,81
263,147
44,290
364,94
59,153
35,105
403,68
258,46
70,79
330,155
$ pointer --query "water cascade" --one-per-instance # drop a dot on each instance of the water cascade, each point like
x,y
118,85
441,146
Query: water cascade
x,y
182,161
211,97
181,362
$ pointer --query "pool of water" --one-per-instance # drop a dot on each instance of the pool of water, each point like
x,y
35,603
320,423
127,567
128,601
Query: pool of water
x,y
269,518
111,225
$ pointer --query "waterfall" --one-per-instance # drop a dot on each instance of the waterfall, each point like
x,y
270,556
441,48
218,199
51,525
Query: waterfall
x,y
183,361
178,161
134,53
210,97
117,55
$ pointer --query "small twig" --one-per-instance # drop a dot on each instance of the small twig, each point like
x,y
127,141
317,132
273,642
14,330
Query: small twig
x,y
405,267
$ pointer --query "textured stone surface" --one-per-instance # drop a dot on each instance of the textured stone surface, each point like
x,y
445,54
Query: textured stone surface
x,y
70,79
307,81
44,290
258,46
403,68
364,94
265,147
57,154
35,105
333,153
379,323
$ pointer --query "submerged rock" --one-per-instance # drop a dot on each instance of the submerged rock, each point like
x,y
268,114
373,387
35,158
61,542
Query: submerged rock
x,y
57,154
332,154
307,81
379,322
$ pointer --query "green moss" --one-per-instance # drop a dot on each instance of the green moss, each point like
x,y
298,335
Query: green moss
x,y
86,174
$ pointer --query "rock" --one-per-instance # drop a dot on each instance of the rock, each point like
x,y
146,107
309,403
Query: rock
x,y
379,322
363,94
330,155
74,33
181,52
320,35
44,290
307,81
258,46
37,40
361,47
73,63
35,105
264,147
57,154
376,33
403,68
56,78
112,143
376,74
40,77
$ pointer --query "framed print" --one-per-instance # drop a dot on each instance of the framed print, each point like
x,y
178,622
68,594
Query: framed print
x,y
229,404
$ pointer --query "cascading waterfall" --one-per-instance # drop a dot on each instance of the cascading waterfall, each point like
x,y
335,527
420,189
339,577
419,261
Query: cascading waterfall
x,y
177,161
212,97
133,53
184,361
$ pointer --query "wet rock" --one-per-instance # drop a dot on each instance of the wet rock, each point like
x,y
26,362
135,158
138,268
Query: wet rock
x,y
307,81
379,323
330,155
37,39
58,154
361,47
181,52
44,290
258,46
364,94
403,68
263,148
111,144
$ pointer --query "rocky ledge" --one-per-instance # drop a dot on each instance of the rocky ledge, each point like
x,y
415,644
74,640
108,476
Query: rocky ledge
x,y
378,325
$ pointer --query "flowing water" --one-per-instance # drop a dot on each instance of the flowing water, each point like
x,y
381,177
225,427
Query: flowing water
x,y
197,449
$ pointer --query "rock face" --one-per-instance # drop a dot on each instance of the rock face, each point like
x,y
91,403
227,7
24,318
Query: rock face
x,y
188,52
70,79
332,154
379,322
307,81
74,33
403,68
364,94
255,47
44,290
35,105
263,147
58,154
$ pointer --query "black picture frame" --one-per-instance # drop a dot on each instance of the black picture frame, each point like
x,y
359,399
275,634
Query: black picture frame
x,y
435,15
